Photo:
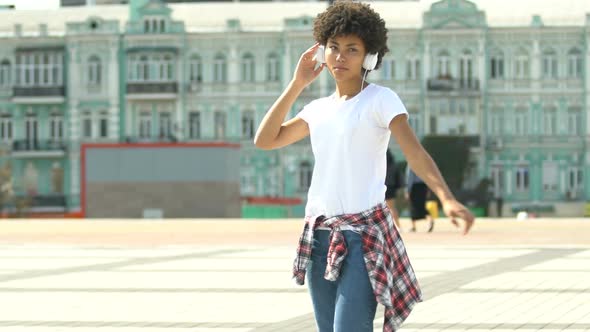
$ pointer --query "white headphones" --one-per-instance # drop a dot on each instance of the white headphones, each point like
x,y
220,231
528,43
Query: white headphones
x,y
369,62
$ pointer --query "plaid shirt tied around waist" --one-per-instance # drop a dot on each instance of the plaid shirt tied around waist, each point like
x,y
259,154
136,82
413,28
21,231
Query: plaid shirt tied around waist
x,y
394,283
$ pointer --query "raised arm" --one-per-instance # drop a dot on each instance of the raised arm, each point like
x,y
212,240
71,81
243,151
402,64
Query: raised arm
x,y
273,132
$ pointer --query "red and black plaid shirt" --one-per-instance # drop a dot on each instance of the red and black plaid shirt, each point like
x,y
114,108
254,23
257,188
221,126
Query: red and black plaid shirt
x,y
390,272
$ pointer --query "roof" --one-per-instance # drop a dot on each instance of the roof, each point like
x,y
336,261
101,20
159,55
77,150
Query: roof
x,y
271,15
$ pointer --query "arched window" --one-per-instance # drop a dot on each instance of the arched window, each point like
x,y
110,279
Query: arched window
x,y
466,74
443,64
220,68
497,65
94,70
168,68
574,63
272,68
5,77
412,66
143,68
522,64
549,64
195,68
248,124
248,68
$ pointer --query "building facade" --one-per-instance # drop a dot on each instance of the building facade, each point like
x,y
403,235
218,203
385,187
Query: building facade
x,y
157,72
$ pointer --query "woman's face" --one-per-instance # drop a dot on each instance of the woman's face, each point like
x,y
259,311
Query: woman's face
x,y
344,57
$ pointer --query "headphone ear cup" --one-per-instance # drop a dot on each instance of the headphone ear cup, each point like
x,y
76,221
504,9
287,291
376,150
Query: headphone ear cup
x,y
320,56
370,61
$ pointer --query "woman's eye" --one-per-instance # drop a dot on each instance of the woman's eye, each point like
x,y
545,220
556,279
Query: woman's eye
x,y
352,49
333,48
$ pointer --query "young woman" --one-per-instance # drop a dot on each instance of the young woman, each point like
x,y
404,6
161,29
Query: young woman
x,y
350,252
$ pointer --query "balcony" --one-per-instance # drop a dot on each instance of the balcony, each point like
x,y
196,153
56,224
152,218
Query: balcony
x,y
449,84
38,94
152,90
38,148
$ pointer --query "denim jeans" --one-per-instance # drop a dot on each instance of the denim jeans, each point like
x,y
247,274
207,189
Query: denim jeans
x,y
347,304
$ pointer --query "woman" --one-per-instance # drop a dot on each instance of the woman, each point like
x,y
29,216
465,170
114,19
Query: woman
x,y
349,233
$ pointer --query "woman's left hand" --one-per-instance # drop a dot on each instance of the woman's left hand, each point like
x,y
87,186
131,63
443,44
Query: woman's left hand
x,y
455,209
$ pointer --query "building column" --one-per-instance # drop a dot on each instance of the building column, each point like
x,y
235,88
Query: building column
x,y
113,92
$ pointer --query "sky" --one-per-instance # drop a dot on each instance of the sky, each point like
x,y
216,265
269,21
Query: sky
x,y
32,4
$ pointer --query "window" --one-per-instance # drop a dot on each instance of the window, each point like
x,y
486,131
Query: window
x,y
388,69
521,122
498,180
574,179
87,125
165,125
143,68
497,121
521,65
550,176
273,69
194,125
412,68
497,65
195,69
522,178
466,69
219,69
6,127
166,68
145,125
414,120
443,64
56,127
94,70
220,124
248,68
549,64
248,125
574,121
39,69
57,179
5,73
574,63
31,129
550,121
103,125
305,174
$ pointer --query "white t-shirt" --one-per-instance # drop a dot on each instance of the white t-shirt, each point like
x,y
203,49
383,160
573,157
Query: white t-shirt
x,y
349,139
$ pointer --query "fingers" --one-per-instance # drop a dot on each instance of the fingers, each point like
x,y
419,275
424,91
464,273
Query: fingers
x,y
319,69
468,218
468,225
309,54
313,48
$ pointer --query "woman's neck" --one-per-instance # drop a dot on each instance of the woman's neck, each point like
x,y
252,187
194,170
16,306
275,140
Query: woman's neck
x,y
349,89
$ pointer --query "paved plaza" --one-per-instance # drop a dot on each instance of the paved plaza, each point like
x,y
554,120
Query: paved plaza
x,y
234,276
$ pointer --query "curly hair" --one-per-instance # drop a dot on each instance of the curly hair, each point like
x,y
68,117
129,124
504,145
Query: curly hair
x,y
348,17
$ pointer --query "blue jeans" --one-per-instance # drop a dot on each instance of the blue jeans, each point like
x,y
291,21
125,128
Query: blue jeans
x,y
347,304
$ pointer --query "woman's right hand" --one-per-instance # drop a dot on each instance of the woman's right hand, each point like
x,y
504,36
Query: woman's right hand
x,y
305,73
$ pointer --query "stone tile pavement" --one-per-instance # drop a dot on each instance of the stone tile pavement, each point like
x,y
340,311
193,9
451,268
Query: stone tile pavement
x,y
234,276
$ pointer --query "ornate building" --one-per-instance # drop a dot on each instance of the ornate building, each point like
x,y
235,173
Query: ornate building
x,y
517,82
